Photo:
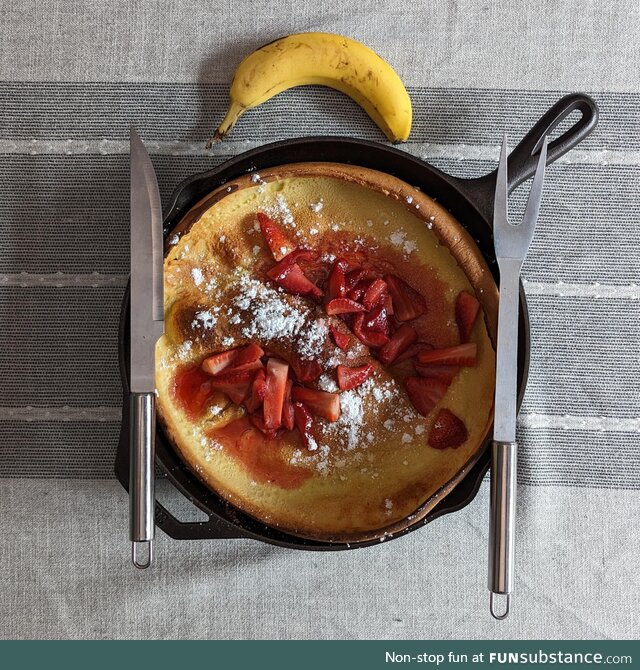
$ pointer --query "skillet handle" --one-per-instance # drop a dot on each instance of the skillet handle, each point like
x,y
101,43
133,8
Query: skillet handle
x,y
523,159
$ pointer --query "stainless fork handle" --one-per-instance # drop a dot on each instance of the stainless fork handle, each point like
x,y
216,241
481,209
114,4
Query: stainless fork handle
x,y
501,522
142,477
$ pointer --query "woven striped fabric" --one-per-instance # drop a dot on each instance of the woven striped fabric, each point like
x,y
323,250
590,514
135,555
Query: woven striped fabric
x,y
74,76
65,259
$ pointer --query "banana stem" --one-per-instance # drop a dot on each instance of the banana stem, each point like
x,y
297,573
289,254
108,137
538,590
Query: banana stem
x,y
234,112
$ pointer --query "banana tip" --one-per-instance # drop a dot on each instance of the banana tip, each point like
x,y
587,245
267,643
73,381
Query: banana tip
x,y
217,137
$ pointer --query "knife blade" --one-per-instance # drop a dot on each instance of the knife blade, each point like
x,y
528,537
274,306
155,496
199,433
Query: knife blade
x,y
146,326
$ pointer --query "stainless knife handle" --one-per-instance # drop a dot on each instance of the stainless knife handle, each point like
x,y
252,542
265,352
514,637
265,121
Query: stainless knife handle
x,y
501,522
142,476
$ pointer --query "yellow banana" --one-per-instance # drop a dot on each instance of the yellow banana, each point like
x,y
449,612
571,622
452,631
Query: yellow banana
x,y
327,60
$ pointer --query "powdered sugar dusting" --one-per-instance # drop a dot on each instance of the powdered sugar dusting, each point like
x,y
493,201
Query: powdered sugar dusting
x,y
197,276
206,319
313,339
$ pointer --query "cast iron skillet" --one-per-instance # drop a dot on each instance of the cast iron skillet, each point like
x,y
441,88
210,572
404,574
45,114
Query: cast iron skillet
x,y
469,200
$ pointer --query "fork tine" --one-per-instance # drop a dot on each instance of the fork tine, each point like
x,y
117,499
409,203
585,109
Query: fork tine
x,y
535,194
500,206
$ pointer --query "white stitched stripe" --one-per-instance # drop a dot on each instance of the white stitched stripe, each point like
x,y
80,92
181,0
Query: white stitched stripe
x,y
228,148
568,422
110,414
568,290
97,279
62,280
66,413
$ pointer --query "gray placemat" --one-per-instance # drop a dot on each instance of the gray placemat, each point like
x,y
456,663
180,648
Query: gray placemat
x,y
73,76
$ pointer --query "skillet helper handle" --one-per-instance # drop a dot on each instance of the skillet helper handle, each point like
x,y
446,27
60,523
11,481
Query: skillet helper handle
x,y
142,477
501,523
523,160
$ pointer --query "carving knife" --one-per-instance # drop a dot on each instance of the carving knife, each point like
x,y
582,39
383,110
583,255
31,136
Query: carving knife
x,y
147,325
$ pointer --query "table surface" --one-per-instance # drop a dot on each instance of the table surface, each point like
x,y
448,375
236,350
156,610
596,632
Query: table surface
x,y
73,76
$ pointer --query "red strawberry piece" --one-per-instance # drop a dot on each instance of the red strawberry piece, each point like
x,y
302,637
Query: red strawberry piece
x,y
336,287
356,276
276,386
294,281
467,309
275,237
388,303
219,362
306,370
350,378
425,394
341,339
408,304
375,293
358,291
247,356
258,389
377,320
343,306
288,419
413,350
448,431
356,294
445,373
462,354
400,341
371,338
281,269
321,403
304,423
235,383
192,389
258,421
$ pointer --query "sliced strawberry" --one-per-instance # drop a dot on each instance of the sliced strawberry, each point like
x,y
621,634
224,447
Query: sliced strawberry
x,y
288,420
343,306
375,293
350,378
467,308
356,276
294,281
306,370
258,421
276,386
408,304
235,383
275,237
388,303
371,338
192,389
377,320
356,294
281,269
258,389
448,431
247,356
218,362
400,341
425,394
463,354
336,287
304,423
321,403
341,339
413,350
445,373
